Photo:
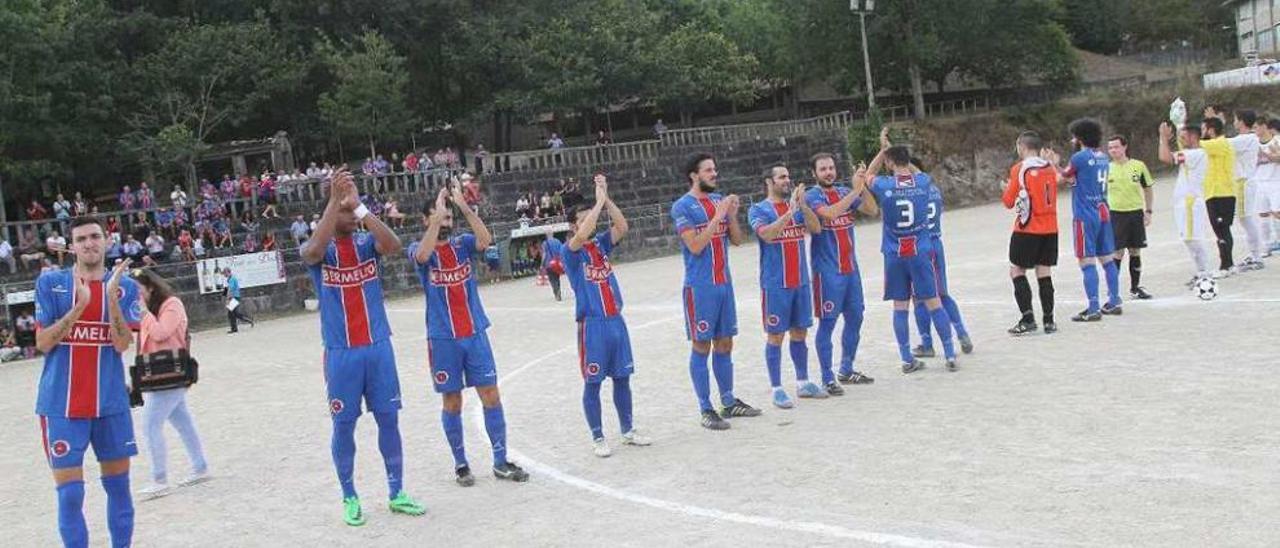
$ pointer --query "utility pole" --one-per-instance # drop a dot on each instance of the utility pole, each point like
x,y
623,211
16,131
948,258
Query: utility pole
x,y
864,8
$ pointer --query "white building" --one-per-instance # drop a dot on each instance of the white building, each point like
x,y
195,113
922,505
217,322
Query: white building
x,y
1257,27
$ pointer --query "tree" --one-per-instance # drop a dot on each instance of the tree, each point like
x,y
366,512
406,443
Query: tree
x,y
1097,25
369,98
695,66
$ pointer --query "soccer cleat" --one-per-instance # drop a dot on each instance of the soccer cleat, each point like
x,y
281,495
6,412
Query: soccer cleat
x,y
808,389
635,438
1023,327
853,377
739,408
1050,328
351,512
780,399
601,448
912,367
404,504
509,471
1086,316
155,491
1140,294
196,478
966,344
1191,284
834,389
922,351
712,421
1109,309
952,366
464,478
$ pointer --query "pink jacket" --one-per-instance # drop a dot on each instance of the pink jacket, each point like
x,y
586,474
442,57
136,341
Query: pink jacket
x,y
168,332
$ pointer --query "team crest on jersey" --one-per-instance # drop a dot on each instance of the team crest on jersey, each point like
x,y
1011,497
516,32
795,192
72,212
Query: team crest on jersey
x,y
828,306
593,368
335,406
773,320
441,377
59,448
703,326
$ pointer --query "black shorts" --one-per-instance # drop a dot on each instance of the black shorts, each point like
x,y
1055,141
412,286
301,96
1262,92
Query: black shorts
x,y
1130,232
1032,250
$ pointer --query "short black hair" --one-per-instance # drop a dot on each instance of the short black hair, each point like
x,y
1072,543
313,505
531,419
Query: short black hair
x,y
429,205
768,171
1248,116
86,221
1274,124
1216,107
900,155
1216,125
692,164
1193,129
1030,140
813,160
1088,131
1117,137
571,212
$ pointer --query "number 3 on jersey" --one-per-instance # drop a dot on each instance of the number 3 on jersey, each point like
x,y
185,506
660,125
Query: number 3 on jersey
x,y
906,213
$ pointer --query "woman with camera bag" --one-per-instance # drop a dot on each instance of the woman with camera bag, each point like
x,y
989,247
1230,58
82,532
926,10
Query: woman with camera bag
x,y
164,337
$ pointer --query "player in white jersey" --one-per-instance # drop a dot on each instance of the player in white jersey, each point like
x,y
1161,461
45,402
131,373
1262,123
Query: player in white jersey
x,y
1268,176
1190,216
1248,200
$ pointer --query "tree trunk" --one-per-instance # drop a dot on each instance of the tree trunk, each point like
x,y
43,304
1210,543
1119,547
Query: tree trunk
x,y
586,125
917,91
497,145
373,151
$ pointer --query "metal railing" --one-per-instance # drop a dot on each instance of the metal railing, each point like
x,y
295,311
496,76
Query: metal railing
x,y
761,130
500,162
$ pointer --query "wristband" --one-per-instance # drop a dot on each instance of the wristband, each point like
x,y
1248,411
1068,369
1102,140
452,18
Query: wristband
x,y
361,212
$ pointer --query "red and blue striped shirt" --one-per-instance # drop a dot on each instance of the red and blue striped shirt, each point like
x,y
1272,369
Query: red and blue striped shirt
x,y
454,310
711,267
349,283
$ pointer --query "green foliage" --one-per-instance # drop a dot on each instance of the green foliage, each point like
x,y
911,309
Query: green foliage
x,y
369,97
696,66
864,137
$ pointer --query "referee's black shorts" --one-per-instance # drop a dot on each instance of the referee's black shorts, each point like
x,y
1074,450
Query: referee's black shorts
x,y
1130,231
1032,250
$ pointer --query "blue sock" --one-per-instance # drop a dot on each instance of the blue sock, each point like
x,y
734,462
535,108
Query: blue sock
x,y
71,526
1112,271
119,509
453,434
390,447
826,328
343,447
800,358
850,337
591,407
953,312
924,325
902,332
942,323
495,423
622,402
701,379
773,363
1091,286
722,368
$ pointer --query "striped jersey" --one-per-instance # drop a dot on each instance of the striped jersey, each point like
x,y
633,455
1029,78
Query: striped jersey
x,y
782,262
833,248
905,201
1089,191
349,283
933,215
453,301
595,287
711,267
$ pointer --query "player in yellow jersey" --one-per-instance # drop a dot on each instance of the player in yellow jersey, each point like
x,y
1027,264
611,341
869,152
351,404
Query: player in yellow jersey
x,y
1129,196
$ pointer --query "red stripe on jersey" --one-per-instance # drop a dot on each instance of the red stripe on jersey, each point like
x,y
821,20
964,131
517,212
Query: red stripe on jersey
x,y
44,438
607,301
455,295
689,315
82,380
764,309
582,349
790,253
1079,239
844,242
817,295
717,243
353,304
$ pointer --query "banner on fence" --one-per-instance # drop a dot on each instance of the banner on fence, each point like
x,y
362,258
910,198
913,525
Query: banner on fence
x,y
1247,76
252,269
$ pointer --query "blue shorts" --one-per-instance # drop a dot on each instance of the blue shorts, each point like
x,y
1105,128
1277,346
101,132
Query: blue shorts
x,y
836,294
784,309
907,277
367,372
1093,238
460,363
939,259
604,349
709,312
65,440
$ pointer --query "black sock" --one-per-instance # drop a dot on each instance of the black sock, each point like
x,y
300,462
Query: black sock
x,y
1046,297
1135,272
1022,294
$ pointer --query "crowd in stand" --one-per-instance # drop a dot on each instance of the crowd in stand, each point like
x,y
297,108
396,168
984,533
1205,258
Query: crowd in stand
x,y
532,207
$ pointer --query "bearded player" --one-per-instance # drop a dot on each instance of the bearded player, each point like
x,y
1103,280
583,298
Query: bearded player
x,y
359,361
84,318
781,222
457,345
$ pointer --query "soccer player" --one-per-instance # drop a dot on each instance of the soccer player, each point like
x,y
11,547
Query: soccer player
x,y
1033,193
938,259
604,346
837,280
84,318
1091,218
1129,197
906,246
1190,216
1269,180
551,263
1219,189
1246,146
707,223
780,222
457,346
359,361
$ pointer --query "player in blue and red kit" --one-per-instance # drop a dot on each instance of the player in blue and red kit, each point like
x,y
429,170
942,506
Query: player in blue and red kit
x,y
781,221
84,319
1087,170
907,246
837,279
457,346
359,361
939,260
707,223
604,346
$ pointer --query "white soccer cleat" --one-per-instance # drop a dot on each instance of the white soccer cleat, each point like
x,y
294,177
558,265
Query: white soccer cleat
x,y
636,438
196,478
601,448
155,491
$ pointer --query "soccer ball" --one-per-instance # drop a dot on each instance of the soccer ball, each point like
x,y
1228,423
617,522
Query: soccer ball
x,y
1206,289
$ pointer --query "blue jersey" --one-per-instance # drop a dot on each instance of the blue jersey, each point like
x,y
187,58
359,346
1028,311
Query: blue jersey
x,y
453,301
833,248
782,262
552,249
83,375
934,212
349,284
711,267
905,201
595,288
1089,191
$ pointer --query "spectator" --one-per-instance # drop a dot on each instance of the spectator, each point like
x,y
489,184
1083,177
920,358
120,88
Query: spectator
x,y
381,166
250,242
471,192
56,246
30,251
235,309
127,199
179,221
79,207
493,263
9,349
326,171
228,188
603,138
113,229
481,154
48,266
247,187
248,222
61,208
451,158
36,212
115,252
6,255
315,221
659,128
207,190
522,206
299,231
146,198
186,245
269,241
544,206
197,247
313,171
222,231
555,142
132,249
438,159
141,227
25,332
391,212
267,194
410,162
155,250
424,162
394,164
178,196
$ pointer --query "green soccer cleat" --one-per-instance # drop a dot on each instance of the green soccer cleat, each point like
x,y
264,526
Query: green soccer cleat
x,y
404,504
351,512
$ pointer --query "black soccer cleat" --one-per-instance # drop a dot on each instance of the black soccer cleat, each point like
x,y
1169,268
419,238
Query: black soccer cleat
x,y
464,478
833,388
1050,328
509,471
966,344
1086,316
1112,310
1023,327
712,421
855,377
915,365
952,366
922,351
739,408
1140,294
